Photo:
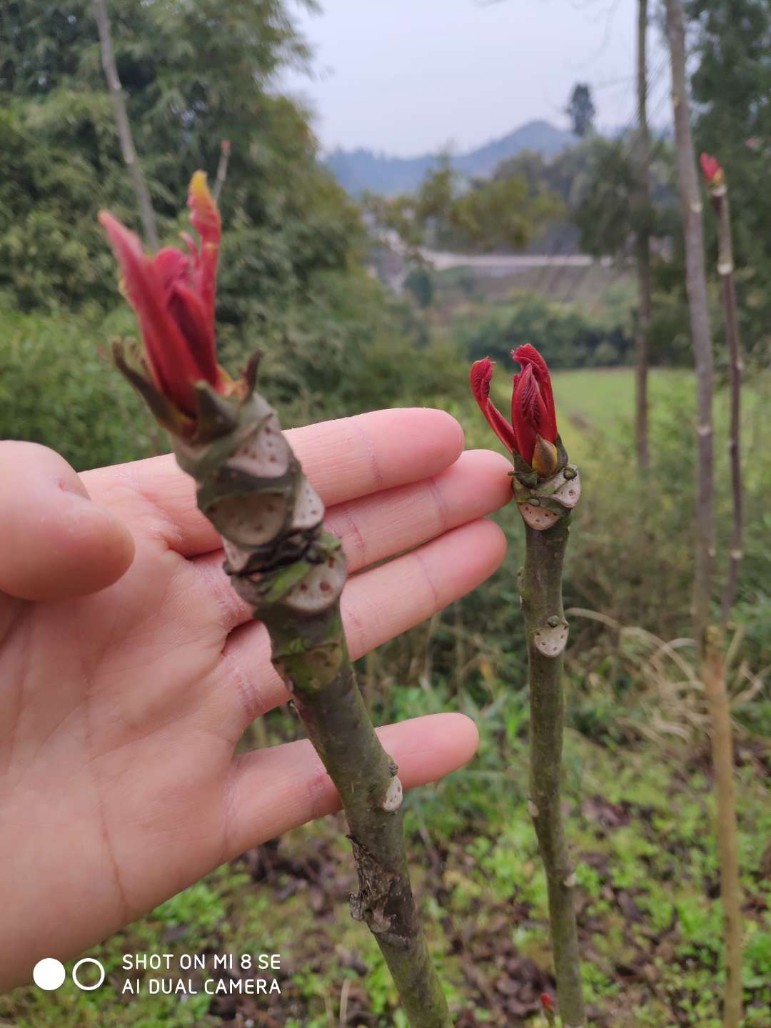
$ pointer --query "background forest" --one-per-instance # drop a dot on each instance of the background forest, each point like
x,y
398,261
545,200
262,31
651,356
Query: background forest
x,y
339,291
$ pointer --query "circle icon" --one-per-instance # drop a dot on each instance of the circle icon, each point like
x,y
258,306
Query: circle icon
x,y
48,974
95,985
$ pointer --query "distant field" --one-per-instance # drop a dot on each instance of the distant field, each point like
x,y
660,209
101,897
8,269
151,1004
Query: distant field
x,y
606,394
602,400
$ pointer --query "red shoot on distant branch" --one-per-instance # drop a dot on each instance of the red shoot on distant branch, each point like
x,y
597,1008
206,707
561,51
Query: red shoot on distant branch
x,y
712,170
547,1004
172,294
532,432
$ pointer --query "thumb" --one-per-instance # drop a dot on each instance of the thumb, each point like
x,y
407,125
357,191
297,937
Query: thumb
x,y
54,541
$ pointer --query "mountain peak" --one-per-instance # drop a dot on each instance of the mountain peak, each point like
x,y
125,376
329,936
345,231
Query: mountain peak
x,y
361,169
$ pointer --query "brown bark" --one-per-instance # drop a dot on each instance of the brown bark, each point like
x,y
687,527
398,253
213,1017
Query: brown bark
x,y
696,283
725,270
728,856
144,200
222,169
643,245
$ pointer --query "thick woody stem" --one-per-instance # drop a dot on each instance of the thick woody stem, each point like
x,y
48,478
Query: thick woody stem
x,y
338,725
540,582
291,572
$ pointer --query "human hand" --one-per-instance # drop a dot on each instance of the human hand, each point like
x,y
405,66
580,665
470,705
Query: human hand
x,y
130,668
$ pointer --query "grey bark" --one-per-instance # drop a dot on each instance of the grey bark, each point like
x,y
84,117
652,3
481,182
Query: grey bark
x,y
708,639
696,284
643,245
130,159
545,509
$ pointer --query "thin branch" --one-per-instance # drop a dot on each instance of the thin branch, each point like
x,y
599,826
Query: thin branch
x,y
541,591
643,245
726,827
725,269
709,640
545,508
144,200
696,283
222,169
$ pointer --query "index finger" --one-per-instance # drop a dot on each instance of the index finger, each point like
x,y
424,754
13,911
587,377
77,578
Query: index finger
x,y
344,459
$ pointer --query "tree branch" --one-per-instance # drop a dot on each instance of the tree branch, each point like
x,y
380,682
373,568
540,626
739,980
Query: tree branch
x,y
725,270
643,245
540,586
291,572
696,283
709,641
144,200
726,827
222,169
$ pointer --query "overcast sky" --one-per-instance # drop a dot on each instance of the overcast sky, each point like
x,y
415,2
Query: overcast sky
x,y
411,76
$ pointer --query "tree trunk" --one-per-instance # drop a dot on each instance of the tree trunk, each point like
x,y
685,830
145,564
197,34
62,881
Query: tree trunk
x,y
144,200
696,283
643,245
709,641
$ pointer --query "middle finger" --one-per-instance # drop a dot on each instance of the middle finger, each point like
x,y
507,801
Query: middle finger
x,y
374,528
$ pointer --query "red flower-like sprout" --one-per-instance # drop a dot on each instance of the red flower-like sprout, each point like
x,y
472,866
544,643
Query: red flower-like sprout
x,y
172,294
712,170
532,432
547,1005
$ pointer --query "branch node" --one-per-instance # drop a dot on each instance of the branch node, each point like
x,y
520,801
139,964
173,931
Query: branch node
x,y
551,640
393,797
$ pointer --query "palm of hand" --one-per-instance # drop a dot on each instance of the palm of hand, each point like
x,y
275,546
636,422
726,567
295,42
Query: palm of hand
x,y
121,710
